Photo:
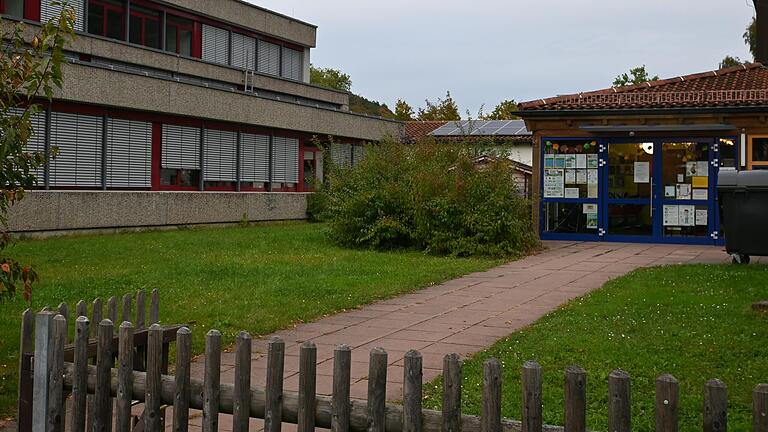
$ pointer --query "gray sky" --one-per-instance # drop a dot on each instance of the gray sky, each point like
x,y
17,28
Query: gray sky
x,y
485,51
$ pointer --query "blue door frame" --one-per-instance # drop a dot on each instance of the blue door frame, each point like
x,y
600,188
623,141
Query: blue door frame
x,y
602,233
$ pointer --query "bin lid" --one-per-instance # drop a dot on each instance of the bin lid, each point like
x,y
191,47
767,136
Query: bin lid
x,y
743,179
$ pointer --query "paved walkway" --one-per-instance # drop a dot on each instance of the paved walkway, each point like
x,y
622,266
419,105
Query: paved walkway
x,y
464,315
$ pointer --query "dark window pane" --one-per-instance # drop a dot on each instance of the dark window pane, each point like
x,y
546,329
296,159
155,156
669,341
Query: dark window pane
x,y
572,218
629,219
170,38
135,30
760,149
115,24
727,153
623,161
179,177
152,33
185,43
14,8
96,19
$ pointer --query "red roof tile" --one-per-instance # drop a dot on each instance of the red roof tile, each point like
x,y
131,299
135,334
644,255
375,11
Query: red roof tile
x,y
417,130
745,85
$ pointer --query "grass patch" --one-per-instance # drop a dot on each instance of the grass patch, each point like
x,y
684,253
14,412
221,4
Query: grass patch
x,y
259,279
694,322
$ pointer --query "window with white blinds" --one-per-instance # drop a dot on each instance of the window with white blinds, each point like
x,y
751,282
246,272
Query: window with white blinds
x,y
129,154
269,58
341,155
254,158
49,11
181,147
78,139
36,142
215,44
292,64
285,160
243,51
358,153
220,155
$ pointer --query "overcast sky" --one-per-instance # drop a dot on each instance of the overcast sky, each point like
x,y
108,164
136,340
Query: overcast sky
x,y
485,51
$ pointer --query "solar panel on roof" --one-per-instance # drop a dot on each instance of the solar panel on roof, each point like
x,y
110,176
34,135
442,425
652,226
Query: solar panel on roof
x,y
482,128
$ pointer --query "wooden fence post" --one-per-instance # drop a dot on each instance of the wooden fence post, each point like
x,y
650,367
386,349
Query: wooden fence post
x,y
451,393
491,418
715,406
667,395
26,346
56,410
619,402
575,399
81,309
377,390
273,410
126,311
64,312
112,309
211,381
760,408
80,387
102,421
342,363
183,390
141,312
412,391
44,334
532,419
153,397
154,307
97,312
307,386
241,409
124,378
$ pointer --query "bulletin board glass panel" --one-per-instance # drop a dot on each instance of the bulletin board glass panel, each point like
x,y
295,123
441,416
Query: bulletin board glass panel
x,y
630,169
570,218
570,169
685,170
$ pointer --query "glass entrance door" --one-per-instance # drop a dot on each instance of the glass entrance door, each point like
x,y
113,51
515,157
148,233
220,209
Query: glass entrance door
x,y
630,198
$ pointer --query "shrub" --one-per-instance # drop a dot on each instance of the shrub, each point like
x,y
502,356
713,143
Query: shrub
x,y
430,196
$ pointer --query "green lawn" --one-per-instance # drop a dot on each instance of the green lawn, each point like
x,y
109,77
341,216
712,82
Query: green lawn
x,y
259,279
694,322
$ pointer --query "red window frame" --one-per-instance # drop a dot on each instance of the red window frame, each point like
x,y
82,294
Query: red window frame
x,y
109,7
144,17
171,21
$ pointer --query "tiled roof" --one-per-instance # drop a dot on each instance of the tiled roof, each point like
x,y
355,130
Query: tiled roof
x,y
417,130
745,85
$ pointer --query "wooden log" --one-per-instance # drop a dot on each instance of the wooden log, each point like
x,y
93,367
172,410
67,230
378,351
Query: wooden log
x,y
182,374
575,399
56,379
102,421
141,312
81,309
532,408
97,311
26,346
211,381
124,378
273,415
490,421
412,392
342,363
80,386
112,309
153,398
126,311
242,402
619,402
154,307
307,386
715,406
667,395
43,368
451,393
760,408
377,390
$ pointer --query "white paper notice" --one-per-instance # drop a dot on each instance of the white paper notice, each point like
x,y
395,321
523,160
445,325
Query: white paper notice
x,y
684,191
642,172
702,169
553,183
700,194
581,176
671,215
592,161
687,213
592,191
572,192
701,218
669,192
590,208
592,177
581,161
680,178
570,161
570,176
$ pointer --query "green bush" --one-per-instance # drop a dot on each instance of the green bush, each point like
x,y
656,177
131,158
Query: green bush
x,y
430,196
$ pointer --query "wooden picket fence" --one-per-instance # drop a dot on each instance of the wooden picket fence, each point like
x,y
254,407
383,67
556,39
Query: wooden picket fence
x,y
54,375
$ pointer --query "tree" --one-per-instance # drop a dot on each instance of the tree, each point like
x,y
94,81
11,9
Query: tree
x,y
442,110
750,37
505,110
330,78
403,111
636,75
361,105
29,69
730,61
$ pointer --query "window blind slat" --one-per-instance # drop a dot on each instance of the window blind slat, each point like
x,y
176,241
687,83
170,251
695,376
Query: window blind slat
x,y
78,139
129,154
220,155
254,158
215,44
181,147
269,58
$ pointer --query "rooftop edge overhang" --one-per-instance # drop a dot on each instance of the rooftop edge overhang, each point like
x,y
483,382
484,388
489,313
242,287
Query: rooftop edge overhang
x,y
643,112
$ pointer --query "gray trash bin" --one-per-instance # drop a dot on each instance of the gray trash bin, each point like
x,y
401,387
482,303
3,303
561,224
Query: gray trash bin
x,y
743,199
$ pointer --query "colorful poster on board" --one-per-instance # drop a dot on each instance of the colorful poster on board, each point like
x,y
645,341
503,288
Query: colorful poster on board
x,y
549,161
554,185
671,215
687,215
683,191
570,161
591,220
559,161
589,208
592,161
700,182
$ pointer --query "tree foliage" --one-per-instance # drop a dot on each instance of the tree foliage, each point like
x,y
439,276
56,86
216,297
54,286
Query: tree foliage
x,y
403,111
505,110
637,75
361,105
730,61
442,110
29,69
330,78
750,37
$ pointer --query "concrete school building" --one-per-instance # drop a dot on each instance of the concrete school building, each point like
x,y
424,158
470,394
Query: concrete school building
x,y
640,163
180,112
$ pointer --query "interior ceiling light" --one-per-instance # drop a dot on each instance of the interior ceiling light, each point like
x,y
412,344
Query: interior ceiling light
x,y
648,147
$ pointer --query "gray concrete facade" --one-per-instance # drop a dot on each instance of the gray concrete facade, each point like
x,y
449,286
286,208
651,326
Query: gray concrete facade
x,y
77,210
